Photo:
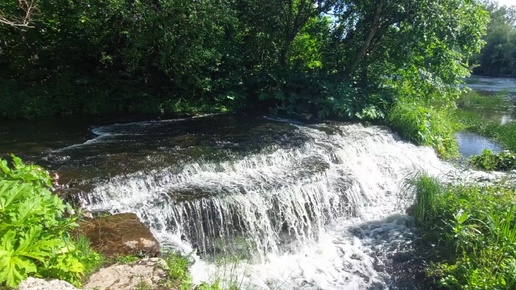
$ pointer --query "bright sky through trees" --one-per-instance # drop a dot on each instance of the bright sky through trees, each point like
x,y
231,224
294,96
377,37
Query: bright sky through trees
x,y
507,2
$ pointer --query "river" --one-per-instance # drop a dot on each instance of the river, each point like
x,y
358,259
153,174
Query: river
x,y
257,202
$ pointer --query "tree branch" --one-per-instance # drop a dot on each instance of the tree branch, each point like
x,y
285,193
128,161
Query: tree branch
x,y
28,7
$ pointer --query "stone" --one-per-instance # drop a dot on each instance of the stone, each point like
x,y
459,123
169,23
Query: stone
x,y
148,272
119,235
41,284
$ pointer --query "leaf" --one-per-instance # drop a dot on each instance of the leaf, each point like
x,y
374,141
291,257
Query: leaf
x,y
13,268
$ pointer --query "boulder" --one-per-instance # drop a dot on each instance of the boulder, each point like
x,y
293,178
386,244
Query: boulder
x,y
144,274
119,235
41,284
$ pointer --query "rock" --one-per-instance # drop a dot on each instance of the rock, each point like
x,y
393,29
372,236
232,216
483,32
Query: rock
x,y
148,272
119,235
41,284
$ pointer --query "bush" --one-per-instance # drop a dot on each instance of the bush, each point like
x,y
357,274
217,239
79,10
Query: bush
x,y
34,229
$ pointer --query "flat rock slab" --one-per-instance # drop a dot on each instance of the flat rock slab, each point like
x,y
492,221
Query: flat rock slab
x,y
144,273
119,235
41,284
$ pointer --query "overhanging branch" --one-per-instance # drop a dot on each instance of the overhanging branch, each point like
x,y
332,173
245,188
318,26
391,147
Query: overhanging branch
x,y
28,7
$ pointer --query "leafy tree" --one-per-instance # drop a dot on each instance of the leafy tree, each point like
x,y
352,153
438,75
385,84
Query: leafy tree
x,y
17,13
498,57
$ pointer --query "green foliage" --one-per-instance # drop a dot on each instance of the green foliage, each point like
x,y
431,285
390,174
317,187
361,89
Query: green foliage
x,y
102,57
472,100
90,259
425,125
128,259
498,56
425,205
33,228
469,234
504,161
177,272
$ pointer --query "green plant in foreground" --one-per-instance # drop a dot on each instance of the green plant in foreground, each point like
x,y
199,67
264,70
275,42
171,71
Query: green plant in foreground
x,y
34,231
469,234
90,259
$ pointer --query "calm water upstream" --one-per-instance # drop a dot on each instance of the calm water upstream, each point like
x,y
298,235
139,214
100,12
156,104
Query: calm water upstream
x,y
473,144
263,203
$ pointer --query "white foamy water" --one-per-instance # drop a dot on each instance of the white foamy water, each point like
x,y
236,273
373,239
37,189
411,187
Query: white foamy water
x,y
329,214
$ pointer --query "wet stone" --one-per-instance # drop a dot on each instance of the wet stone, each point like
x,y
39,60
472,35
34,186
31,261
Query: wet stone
x,y
118,235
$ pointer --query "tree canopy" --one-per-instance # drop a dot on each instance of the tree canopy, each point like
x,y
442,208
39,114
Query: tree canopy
x,y
313,58
498,56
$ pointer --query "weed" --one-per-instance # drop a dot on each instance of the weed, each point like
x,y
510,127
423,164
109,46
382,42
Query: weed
x,y
143,286
35,232
488,160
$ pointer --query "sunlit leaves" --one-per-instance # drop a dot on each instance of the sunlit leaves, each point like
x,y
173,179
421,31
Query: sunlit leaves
x,y
33,229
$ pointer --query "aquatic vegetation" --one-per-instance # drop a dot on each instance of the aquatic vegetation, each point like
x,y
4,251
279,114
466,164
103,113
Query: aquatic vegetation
x,y
467,117
488,160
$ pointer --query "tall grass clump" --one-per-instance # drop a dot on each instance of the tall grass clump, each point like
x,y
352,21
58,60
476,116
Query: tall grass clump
x,y
425,125
427,196
35,227
468,233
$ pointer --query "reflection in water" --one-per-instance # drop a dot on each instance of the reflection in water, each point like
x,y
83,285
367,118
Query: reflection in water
x,y
473,144
490,86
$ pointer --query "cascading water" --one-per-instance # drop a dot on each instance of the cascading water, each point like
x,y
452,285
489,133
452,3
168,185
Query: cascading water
x,y
326,212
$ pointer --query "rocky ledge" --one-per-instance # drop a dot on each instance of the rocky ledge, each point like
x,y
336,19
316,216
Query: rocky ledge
x,y
119,235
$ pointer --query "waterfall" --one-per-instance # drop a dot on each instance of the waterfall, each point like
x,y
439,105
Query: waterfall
x,y
324,214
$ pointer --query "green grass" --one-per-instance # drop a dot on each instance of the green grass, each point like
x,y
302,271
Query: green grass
x,y
468,234
468,118
472,100
90,259
425,125
128,259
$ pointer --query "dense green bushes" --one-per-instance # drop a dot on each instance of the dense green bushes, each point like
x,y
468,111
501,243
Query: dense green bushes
x,y
498,56
468,233
101,57
34,228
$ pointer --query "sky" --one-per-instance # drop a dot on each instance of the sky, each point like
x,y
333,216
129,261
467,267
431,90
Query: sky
x,y
506,2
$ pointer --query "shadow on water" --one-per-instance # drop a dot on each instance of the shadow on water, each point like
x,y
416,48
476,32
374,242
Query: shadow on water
x,y
84,151
393,241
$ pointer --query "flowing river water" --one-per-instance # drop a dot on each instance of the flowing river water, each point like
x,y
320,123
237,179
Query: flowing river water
x,y
255,202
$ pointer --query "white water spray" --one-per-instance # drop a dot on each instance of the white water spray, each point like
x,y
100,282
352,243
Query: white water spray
x,y
325,215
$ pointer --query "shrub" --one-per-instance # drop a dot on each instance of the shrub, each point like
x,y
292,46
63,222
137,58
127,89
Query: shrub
x,y
34,230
